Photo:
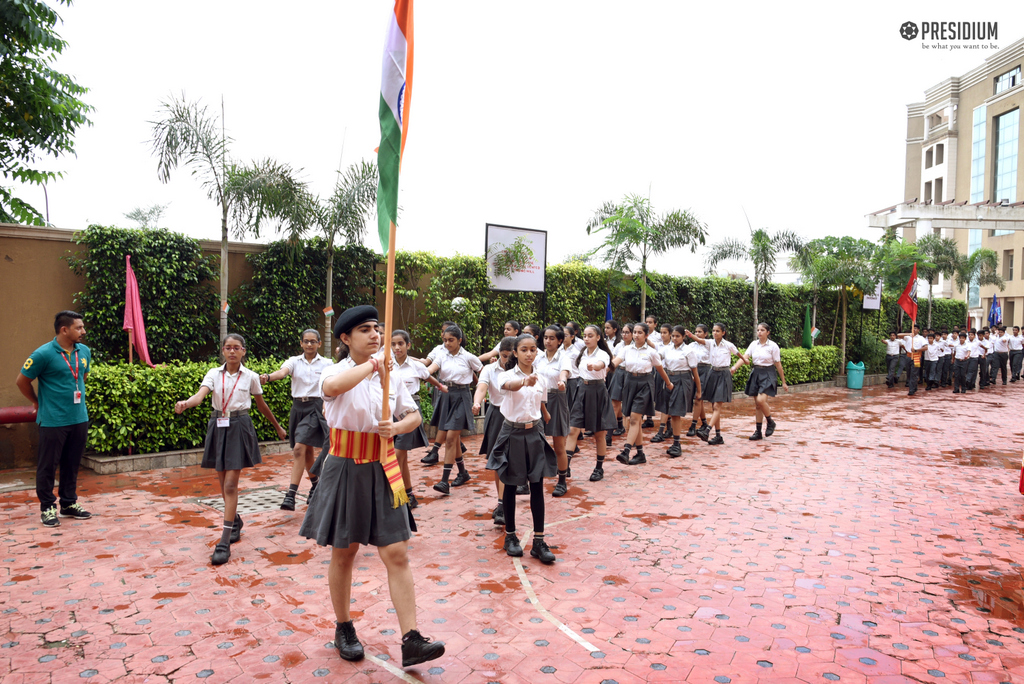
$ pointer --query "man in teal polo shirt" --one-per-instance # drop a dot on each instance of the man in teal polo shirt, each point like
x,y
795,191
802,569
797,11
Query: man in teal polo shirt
x,y
60,368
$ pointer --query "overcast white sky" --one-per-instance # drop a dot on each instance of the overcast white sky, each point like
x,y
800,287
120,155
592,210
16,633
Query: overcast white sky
x,y
528,114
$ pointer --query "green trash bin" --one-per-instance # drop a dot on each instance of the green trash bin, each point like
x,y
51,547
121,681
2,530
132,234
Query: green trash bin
x,y
854,375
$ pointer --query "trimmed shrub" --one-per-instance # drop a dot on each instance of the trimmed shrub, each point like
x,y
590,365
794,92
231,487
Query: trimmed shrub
x,y
818,364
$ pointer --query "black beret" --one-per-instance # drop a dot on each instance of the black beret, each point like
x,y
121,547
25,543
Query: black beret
x,y
350,318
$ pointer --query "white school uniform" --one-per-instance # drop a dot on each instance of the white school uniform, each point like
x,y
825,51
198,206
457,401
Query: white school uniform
x,y
458,368
977,351
932,351
701,352
522,405
360,408
1016,342
1001,344
767,354
678,359
568,360
549,369
720,354
892,347
238,388
962,351
489,378
411,373
582,371
640,359
305,374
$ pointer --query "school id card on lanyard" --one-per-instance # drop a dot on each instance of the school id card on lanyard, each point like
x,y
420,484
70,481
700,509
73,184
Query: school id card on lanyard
x,y
225,421
76,396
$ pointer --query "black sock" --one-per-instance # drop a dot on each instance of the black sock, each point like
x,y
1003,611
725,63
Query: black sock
x,y
639,449
600,460
758,426
561,476
225,535
462,447
675,439
293,488
620,422
703,423
462,465
627,447
693,423
717,432
769,419
435,446
339,624
447,472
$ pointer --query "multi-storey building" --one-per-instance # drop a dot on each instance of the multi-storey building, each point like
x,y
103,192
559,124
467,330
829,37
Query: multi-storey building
x,y
963,179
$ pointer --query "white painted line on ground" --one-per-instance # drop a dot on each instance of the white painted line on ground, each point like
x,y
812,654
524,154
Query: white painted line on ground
x,y
393,669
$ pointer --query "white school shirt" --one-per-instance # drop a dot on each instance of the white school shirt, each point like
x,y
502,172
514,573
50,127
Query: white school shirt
x,y
914,343
585,358
523,405
457,368
360,408
489,378
701,352
987,344
578,343
962,351
678,359
617,349
764,354
435,352
720,354
932,352
1001,343
569,355
411,374
549,370
892,347
221,383
1016,342
306,374
640,359
945,346
976,348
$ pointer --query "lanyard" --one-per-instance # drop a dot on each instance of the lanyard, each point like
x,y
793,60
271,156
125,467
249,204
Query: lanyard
x,y
223,388
67,360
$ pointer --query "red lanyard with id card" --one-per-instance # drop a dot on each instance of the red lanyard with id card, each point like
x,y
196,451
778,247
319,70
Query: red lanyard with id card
x,y
77,394
225,421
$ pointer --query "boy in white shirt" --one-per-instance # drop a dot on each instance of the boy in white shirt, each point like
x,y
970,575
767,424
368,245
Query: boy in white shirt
x,y
892,359
1016,344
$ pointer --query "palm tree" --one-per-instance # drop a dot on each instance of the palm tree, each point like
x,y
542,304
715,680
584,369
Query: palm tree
x,y
761,251
943,256
978,269
636,234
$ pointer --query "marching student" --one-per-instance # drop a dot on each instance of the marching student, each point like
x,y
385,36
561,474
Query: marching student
x,y
593,409
615,386
1001,350
703,357
571,347
307,428
574,333
932,367
488,385
961,359
765,359
660,393
411,373
521,455
512,329
454,410
946,378
681,366
913,343
612,338
639,361
983,364
892,359
975,359
548,366
612,333
534,329
231,442
361,498
1016,346
653,340
440,436
718,389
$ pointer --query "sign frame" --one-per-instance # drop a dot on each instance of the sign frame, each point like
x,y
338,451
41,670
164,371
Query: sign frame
x,y
544,266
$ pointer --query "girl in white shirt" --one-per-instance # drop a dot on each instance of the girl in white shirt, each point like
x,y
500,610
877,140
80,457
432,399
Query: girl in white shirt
x,y
488,385
521,455
639,362
593,408
618,379
571,346
307,429
766,358
440,437
548,366
361,498
660,393
718,388
681,365
512,329
231,442
454,410
703,358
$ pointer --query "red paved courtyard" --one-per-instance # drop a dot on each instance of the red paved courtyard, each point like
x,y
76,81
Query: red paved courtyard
x,y
873,538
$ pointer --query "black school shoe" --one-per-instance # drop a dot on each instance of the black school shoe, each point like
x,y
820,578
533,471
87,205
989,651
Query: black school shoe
x,y
236,529
717,439
431,458
75,511
460,479
523,490
769,427
417,649
675,451
692,432
542,552
659,437
512,546
623,456
704,432
498,515
640,457
756,436
346,641
649,423
597,475
221,554
413,503
289,501
443,487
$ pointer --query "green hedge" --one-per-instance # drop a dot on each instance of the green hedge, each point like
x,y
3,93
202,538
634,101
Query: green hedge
x,y
818,364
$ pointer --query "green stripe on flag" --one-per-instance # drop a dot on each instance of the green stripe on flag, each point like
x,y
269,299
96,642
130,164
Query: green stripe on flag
x,y
388,163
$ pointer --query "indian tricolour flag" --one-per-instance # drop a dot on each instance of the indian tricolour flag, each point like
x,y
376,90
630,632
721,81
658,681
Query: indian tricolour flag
x,y
395,98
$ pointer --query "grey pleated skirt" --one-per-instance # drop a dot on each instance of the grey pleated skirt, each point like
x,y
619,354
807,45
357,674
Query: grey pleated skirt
x,y
638,395
660,394
703,371
680,399
412,440
572,390
453,410
352,505
232,448
492,427
520,455
718,389
306,423
615,388
558,409
763,380
593,409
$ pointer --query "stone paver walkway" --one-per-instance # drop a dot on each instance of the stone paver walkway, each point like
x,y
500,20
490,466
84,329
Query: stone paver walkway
x,y
874,538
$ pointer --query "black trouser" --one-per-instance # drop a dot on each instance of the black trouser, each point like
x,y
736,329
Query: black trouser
x,y
1002,359
892,362
960,375
927,372
908,367
914,374
983,367
947,370
508,505
65,446
1016,357
972,372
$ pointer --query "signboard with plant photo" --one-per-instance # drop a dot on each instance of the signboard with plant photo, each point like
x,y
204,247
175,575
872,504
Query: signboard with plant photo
x,y
516,258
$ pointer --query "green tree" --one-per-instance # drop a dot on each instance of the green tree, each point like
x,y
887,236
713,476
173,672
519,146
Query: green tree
x,y
943,256
40,109
147,218
978,269
762,251
895,260
634,234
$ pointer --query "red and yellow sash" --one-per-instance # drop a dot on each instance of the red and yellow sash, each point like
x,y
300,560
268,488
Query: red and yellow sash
x,y
916,356
364,447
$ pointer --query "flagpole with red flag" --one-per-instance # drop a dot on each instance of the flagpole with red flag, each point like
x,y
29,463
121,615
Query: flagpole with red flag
x,y
908,300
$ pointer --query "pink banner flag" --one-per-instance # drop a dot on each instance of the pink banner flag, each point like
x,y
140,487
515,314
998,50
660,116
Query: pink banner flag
x,y
133,313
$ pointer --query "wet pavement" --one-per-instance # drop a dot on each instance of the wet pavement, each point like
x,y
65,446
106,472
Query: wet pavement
x,y
874,538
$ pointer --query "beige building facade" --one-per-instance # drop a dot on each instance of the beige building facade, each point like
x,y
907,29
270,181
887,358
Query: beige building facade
x,y
964,178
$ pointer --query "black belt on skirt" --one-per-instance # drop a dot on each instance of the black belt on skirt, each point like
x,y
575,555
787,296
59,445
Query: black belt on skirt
x,y
703,365
521,426
592,382
230,414
452,385
640,375
303,400
720,368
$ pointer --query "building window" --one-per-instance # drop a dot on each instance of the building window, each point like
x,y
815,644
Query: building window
x,y
939,149
1005,146
928,191
928,159
978,155
1008,80
973,245
938,190
1008,264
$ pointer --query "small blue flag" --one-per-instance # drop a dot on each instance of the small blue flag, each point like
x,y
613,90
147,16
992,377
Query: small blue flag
x,y
995,314
608,307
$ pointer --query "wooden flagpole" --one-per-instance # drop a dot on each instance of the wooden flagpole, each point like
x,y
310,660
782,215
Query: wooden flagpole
x,y
389,301
131,345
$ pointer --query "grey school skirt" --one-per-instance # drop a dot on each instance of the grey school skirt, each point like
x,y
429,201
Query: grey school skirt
x,y
306,423
352,505
492,426
593,408
558,409
763,380
232,448
660,394
572,390
638,395
412,440
680,399
522,455
615,388
718,389
453,410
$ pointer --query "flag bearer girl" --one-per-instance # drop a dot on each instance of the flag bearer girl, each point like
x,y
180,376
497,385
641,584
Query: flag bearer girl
x,y
488,385
593,409
681,366
307,429
766,359
639,361
718,389
231,442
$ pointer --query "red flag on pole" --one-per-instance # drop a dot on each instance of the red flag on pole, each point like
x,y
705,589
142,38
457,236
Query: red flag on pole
x,y
133,322
908,300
